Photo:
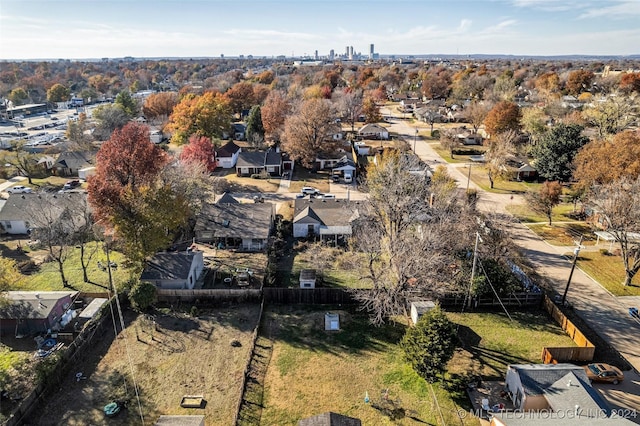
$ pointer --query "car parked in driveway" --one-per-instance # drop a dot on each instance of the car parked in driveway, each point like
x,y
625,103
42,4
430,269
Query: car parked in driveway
x,y
308,190
19,189
603,373
70,184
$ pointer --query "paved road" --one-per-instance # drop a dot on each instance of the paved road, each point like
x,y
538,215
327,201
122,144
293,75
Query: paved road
x,y
10,183
603,312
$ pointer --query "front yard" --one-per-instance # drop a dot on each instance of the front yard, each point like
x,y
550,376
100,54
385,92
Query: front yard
x,y
608,270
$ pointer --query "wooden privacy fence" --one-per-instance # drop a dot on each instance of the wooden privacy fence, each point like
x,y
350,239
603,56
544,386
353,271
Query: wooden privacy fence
x,y
583,352
204,295
524,299
309,296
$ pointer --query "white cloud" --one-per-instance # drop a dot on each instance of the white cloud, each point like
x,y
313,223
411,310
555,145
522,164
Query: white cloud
x,y
624,9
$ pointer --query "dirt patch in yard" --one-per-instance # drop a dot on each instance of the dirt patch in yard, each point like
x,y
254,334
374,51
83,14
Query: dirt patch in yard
x,y
170,354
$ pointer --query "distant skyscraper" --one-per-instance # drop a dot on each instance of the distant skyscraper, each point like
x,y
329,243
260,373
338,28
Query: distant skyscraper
x,y
371,50
331,55
350,53
346,53
316,55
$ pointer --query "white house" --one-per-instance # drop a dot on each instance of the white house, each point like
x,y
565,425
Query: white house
x,y
174,270
328,219
86,172
373,130
227,155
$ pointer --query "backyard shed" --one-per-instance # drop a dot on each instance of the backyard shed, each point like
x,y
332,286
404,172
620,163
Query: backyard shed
x,y
308,278
330,419
90,311
419,308
331,321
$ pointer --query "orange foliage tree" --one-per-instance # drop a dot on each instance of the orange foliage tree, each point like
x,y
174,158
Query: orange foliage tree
x,y
503,116
206,115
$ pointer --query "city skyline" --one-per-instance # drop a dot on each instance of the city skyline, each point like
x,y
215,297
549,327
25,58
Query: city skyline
x,y
77,29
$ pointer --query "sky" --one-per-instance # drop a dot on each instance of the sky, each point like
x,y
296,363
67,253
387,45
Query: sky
x,y
81,29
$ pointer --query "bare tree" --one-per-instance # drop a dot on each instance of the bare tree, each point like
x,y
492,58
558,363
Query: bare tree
x,y
406,239
23,160
449,140
618,204
475,114
350,106
500,149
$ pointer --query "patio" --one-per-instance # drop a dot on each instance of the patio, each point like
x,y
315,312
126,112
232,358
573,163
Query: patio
x,y
493,392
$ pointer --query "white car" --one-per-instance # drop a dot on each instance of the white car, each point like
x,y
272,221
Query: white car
x,y
308,190
20,190
326,196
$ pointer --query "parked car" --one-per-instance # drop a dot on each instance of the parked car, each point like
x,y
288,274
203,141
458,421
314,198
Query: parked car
x,y
286,175
258,199
70,184
308,190
603,373
326,196
335,178
19,189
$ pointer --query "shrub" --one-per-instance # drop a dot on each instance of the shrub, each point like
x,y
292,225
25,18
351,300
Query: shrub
x,y
435,134
142,295
605,252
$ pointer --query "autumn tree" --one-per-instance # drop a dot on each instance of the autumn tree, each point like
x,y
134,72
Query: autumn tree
x,y
159,105
274,112
556,150
436,84
126,195
430,345
18,96
58,93
205,115
579,81
618,205
76,133
534,123
503,116
630,82
371,111
199,150
255,129
500,150
476,113
309,131
240,97
548,85
612,114
545,199
604,161
109,118
404,238
349,105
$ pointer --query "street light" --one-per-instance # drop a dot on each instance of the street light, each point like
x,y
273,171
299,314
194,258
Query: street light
x,y
576,252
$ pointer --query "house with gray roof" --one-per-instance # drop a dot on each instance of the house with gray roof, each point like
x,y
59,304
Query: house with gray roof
x,y
174,270
231,225
21,213
552,387
69,162
29,312
328,219
256,162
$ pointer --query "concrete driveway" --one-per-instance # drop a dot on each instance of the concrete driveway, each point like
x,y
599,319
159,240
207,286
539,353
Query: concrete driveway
x,y
604,313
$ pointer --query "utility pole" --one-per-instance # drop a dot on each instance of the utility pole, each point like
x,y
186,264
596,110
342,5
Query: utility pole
x,y
469,177
576,252
473,269
415,138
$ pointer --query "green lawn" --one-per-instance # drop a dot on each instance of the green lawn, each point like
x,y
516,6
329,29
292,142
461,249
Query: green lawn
x,y
608,270
564,234
491,341
561,213
501,186
48,276
304,177
313,371
335,273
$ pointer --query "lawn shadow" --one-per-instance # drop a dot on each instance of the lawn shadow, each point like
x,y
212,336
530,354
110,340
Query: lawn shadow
x,y
304,328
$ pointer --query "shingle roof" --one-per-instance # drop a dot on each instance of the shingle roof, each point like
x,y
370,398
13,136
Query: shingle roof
x,y
25,206
327,212
75,159
330,419
168,266
535,378
250,220
226,198
250,159
572,390
227,150
32,304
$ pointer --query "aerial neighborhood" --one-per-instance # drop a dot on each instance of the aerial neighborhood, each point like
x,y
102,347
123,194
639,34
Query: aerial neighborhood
x,y
347,241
